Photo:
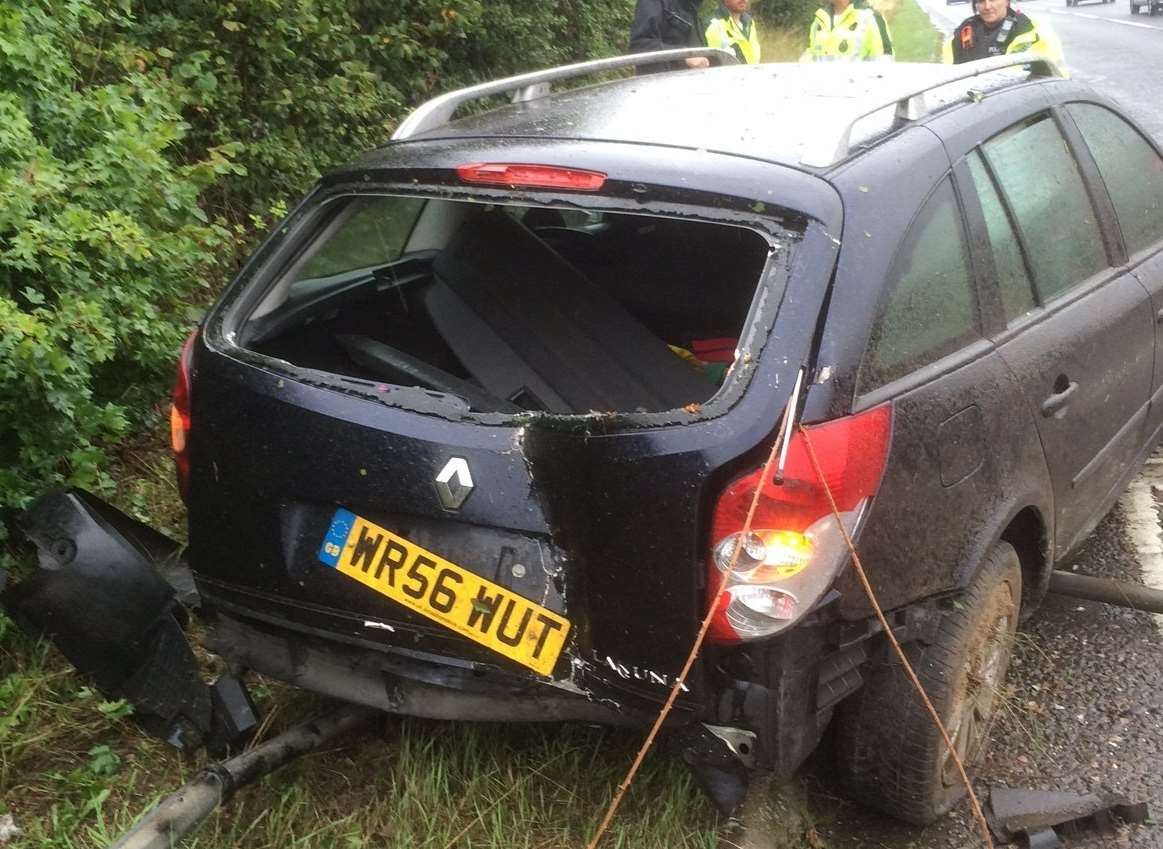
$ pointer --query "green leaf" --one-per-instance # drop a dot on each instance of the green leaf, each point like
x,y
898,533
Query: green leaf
x,y
32,296
119,709
103,761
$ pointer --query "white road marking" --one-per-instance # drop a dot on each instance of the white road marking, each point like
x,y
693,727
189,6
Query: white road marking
x,y
1132,24
1143,525
1099,18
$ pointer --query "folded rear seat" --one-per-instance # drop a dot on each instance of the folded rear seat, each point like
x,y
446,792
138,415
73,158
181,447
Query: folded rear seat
x,y
529,327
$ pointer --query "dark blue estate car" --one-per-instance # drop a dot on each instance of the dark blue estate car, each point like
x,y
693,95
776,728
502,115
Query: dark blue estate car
x,y
475,433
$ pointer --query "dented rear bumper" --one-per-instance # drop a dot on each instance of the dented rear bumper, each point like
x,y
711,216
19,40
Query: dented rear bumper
x,y
413,684
101,596
766,707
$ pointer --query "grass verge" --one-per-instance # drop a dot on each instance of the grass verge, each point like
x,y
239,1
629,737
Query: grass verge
x,y
914,37
75,772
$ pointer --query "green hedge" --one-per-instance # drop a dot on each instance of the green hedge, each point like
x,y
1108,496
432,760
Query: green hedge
x,y
307,83
787,14
144,144
103,247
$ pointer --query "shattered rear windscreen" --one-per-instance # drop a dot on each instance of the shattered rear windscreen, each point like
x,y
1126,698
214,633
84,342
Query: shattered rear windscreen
x,y
505,309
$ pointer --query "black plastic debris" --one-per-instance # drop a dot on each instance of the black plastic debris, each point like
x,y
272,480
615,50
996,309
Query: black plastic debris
x,y
234,716
98,597
1040,818
718,771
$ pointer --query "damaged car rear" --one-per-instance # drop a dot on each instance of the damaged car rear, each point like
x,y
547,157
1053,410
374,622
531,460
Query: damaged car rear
x,y
469,436
471,421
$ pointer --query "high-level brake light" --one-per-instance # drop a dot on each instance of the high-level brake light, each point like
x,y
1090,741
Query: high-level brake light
x,y
531,176
791,555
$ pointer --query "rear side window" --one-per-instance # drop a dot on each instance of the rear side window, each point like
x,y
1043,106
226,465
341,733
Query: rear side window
x,y
1131,169
931,310
1042,186
1017,292
367,233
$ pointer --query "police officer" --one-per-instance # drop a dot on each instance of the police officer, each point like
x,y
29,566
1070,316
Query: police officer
x,y
732,28
668,25
997,29
848,31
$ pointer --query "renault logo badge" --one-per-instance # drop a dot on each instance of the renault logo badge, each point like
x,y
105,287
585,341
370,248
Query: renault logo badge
x,y
454,483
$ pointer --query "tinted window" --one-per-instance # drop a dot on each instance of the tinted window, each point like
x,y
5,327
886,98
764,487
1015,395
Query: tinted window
x,y
1012,278
1040,181
931,310
1132,170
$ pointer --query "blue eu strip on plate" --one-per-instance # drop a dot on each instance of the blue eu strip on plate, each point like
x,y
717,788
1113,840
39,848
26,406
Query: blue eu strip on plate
x,y
336,537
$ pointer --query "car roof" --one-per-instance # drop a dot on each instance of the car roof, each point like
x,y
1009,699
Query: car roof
x,y
800,114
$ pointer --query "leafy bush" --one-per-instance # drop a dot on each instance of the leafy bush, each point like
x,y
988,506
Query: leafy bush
x,y
789,14
103,246
306,84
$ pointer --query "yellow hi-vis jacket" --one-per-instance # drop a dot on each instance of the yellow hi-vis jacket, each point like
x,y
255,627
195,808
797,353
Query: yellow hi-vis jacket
x,y
742,36
1016,33
857,33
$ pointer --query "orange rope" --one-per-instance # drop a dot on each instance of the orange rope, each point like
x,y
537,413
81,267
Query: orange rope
x,y
698,644
860,573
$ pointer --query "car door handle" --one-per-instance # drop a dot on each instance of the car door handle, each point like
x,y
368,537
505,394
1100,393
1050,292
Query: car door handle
x,y
1057,402
1159,316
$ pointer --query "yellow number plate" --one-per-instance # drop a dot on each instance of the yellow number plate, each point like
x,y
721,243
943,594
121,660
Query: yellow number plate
x,y
484,612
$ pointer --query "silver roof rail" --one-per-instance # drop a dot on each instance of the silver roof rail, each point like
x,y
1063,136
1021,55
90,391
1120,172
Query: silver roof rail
x,y
910,104
439,111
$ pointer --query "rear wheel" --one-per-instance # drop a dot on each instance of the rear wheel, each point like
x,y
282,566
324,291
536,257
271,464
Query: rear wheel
x,y
892,756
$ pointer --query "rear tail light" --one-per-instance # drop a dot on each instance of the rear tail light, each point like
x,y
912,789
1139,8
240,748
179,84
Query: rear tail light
x,y
531,176
795,548
180,415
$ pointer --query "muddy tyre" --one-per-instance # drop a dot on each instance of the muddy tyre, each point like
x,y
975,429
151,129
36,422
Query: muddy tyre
x,y
891,755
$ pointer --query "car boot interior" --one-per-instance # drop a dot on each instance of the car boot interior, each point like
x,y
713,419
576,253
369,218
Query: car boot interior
x,y
518,310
